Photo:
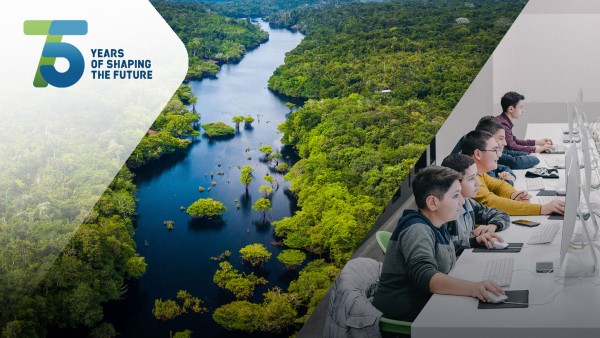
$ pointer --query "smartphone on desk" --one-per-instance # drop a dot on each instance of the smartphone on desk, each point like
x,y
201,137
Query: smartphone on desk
x,y
526,223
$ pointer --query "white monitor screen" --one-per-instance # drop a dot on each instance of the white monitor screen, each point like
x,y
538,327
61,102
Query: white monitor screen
x,y
573,178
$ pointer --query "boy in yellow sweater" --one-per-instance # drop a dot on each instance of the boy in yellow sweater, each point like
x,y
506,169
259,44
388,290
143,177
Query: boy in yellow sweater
x,y
495,193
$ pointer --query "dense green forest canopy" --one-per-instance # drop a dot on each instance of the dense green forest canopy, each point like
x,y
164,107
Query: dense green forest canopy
x,y
261,8
93,264
211,39
381,79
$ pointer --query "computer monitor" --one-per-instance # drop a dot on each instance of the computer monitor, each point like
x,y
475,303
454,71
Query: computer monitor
x,y
586,263
587,184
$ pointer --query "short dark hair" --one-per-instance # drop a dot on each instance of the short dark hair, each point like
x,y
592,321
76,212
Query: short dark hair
x,y
510,99
434,181
458,162
489,124
474,140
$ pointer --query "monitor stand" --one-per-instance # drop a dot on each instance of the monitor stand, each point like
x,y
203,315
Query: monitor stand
x,y
581,262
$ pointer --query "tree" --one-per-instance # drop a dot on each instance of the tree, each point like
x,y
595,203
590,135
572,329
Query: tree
x,y
237,120
136,266
206,207
165,310
248,120
266,190
279,311
104,330
239,315
246,175
255,253
193,101
266,150
269,179
183,334
218,129
282,167
291,258
262,205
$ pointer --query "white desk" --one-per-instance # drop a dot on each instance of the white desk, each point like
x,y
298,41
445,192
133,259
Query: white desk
x,y
571,307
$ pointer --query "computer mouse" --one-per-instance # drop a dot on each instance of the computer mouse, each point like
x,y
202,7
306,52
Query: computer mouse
x,y
547,151
496,299
499,245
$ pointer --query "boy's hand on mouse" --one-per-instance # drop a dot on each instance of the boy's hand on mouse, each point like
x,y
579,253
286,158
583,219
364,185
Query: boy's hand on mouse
x,y
479,290
486,239
554,207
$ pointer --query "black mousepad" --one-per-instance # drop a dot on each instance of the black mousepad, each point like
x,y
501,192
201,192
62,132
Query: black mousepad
x,y
515,296
512,247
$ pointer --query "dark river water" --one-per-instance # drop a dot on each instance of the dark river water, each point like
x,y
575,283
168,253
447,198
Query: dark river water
x,y
179,259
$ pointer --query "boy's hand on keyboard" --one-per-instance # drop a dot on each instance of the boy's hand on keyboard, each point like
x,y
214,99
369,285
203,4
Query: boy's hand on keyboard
x,y
554,207
486,239
479,290
482,229
541,148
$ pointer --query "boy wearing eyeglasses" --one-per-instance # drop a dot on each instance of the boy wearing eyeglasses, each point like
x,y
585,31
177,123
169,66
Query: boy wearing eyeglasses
x,y
495,193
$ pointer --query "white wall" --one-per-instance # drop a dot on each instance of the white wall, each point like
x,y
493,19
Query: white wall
x,y
551,51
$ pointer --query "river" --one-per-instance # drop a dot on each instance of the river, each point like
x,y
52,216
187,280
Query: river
x,y
179,259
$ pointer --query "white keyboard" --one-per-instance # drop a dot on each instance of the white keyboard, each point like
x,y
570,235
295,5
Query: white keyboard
x,y
500,270
535,183
547,199
544,233
558,162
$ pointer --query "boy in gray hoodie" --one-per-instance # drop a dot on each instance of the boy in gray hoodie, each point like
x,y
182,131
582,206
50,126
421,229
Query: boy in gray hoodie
x,y
420,252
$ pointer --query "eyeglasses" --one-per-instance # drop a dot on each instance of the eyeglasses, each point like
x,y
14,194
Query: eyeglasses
x,y
498,151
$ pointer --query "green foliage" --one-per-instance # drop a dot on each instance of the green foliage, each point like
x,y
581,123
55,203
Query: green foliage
x,y
218,129
255,253
206,207
165,310
291,258
104,330
183,334
416,50
169,309
267,150
265,190
282,167
262,8
248,120
269,179
169,131
210,39
241,285
262,205
246,175
239,315
237,120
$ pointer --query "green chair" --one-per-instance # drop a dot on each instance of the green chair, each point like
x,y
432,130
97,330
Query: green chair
x,y
394,326
383,238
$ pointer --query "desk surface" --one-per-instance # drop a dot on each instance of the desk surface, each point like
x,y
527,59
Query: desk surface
x,y
559,307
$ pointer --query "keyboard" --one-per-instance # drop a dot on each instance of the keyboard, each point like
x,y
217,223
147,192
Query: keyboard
x,y
500,270
556,162
547,199
544,233
535,183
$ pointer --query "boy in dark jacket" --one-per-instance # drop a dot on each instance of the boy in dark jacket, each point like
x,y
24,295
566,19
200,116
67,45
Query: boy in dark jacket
x,y
420,252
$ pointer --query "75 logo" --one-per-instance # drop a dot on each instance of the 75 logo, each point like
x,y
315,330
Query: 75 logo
x,y
53,48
